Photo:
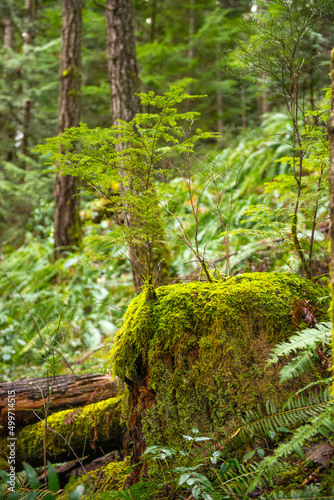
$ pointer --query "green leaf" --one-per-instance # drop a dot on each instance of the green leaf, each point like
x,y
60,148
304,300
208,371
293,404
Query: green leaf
x,y
282,429
31,475
49,496
261,452
202,479
299,451
53,480
31,496
194,430
248,455
4,476
151,449
77,493
272,434
183,479
14,496
215,456
224,467
196,492
188,438
206,496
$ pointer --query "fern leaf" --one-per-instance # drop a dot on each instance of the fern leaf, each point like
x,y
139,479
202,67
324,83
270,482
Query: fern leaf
x,y
299,410
306,339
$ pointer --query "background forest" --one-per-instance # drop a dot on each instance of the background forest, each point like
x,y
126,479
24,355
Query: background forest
x,y
253,198
153,143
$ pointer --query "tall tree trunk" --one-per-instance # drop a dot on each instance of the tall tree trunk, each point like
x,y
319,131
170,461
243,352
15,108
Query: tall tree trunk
x,y
219,100
124,83
192,22
122,60
30,18
8,129
8,33
67,222
153,20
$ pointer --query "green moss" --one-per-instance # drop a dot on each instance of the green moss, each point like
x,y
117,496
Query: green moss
x,y
82,428
201,348
108,478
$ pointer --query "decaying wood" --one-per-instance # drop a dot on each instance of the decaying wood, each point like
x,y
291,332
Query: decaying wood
x,y
65,391
92,430
79,467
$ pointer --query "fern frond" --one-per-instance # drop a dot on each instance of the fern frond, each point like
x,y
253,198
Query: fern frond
x,y
319,423
297,366
311,491
324,381
299,410
239,477
308,338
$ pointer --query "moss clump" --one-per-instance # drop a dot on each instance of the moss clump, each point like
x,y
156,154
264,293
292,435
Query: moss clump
x,y
194,354
109,478
81,428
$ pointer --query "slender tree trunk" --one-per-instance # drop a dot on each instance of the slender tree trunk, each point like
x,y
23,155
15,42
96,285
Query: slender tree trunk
x,y
153,20
219,100
67,222
331,182
8,33
122,60
124,83
243,107
30,18
8,129
264,99
192,27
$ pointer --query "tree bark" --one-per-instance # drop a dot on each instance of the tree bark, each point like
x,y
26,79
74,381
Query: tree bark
x,y
67,222
124,83
66,391
122,61
30,18
192,22
94,430
8,33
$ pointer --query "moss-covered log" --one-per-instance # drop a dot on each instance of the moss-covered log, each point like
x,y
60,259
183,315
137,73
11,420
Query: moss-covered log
x,y
58,393
195,354
93,429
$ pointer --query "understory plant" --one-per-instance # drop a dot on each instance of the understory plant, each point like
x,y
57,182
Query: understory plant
x,y
278,50
133,180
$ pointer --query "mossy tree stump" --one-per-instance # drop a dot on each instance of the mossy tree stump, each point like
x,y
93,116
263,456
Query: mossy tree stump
x,y
195,354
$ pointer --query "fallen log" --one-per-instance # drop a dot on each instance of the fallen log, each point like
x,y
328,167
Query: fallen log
x,y
91,431
58,393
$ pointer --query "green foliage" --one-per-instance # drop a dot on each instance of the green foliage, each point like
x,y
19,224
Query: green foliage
x,y
28,486
50,311
94,156
306,342
274,220
274,418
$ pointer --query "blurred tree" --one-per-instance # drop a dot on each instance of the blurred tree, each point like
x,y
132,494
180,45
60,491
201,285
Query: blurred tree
x,y
124,103
28,36
67,221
